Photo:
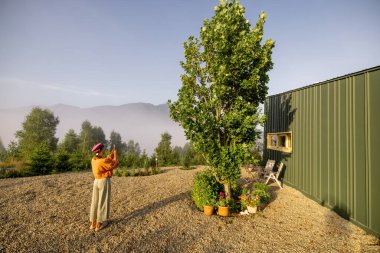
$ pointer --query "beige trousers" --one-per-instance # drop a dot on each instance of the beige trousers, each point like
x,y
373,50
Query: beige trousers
x,y
101,200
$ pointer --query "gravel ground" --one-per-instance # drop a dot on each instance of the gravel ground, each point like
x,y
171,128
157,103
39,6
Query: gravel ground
x,y
156,214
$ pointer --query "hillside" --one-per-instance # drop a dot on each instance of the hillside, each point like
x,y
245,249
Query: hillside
x,y
142,122
156,214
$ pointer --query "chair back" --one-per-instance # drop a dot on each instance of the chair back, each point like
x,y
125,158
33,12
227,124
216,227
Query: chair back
x,y
278,172
269,166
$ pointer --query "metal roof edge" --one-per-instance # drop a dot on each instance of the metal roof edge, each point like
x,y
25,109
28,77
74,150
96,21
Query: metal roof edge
x,y
326,81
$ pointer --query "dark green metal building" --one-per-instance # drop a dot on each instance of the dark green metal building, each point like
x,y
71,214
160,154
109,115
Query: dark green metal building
x,y
328,136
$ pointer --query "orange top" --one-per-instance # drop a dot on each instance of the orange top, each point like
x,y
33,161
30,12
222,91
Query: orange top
x,y
103,167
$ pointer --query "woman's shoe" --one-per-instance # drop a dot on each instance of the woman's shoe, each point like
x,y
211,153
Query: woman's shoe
x,y
101,225
93,225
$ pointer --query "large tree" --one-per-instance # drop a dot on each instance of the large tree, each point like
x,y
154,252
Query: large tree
x,y
38,129
224,82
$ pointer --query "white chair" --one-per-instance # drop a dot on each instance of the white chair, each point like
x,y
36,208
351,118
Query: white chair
x,y
274,175
268,168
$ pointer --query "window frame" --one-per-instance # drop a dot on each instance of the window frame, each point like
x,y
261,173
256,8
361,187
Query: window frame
x,y
287,148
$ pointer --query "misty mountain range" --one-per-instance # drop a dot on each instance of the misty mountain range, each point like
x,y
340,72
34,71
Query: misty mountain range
x,y
142,122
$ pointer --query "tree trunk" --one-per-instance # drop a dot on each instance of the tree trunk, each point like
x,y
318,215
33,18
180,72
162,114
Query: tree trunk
x,y
227,190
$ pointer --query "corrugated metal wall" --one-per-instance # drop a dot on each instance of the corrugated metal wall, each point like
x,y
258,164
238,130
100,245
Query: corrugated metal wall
x,y
335,129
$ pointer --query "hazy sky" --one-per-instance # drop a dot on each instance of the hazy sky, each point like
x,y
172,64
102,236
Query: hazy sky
x,y
88,53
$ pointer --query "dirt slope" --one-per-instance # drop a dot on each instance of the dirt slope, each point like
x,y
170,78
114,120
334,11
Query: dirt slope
x,y
155,214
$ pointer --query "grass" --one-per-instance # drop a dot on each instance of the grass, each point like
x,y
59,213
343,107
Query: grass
x,y
12,169
125,172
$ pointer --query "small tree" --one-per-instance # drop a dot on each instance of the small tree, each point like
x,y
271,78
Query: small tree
x,y
70,142
13,152
115,139
3,151
63,161
164,150
2,148
41,161
224,82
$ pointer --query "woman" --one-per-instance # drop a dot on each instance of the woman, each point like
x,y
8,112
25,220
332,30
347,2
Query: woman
x,y
102,168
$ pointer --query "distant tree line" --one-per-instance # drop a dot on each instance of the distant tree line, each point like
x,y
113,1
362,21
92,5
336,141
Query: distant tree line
x,y
38,152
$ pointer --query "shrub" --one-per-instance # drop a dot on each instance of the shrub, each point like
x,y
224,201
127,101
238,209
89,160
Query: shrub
x,y
41,161
62,162
261,190
117,173
205,189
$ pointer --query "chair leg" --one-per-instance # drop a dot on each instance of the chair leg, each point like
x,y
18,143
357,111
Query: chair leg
x,y
278,183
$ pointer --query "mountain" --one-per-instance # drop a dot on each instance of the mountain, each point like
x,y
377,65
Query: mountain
x,y
142,122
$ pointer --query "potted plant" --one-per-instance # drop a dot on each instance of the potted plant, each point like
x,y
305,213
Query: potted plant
x,y
223,205
250,200
209,206
261,190
205,191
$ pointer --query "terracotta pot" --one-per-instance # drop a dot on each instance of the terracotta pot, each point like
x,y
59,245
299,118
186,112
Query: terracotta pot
x,y
252,209
208,210
224,211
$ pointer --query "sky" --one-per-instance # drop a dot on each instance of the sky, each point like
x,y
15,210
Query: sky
x,y
90,53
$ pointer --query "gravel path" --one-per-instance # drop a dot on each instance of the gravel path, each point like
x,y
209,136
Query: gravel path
x,y
156,214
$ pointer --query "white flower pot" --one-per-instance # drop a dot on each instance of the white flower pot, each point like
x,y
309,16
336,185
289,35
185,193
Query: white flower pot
x,y
252,209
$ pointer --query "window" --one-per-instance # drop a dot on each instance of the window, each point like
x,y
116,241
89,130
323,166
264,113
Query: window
x,y
280,141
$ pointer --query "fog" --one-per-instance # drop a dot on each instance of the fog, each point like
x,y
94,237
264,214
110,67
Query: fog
x,y
144,123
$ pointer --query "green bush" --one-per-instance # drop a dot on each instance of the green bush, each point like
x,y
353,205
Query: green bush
x,y
261,190
117,173
205,189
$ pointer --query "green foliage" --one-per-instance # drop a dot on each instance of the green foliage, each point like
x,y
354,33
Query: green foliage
x,y
261,190
89,136
115,139
131,173
41,161
62,159
255,196
164,150
80,161
12,169
249,198
117,173
144,160
205,189
131,157
38,129
224,82
187,156
3,151
223,201
70,142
